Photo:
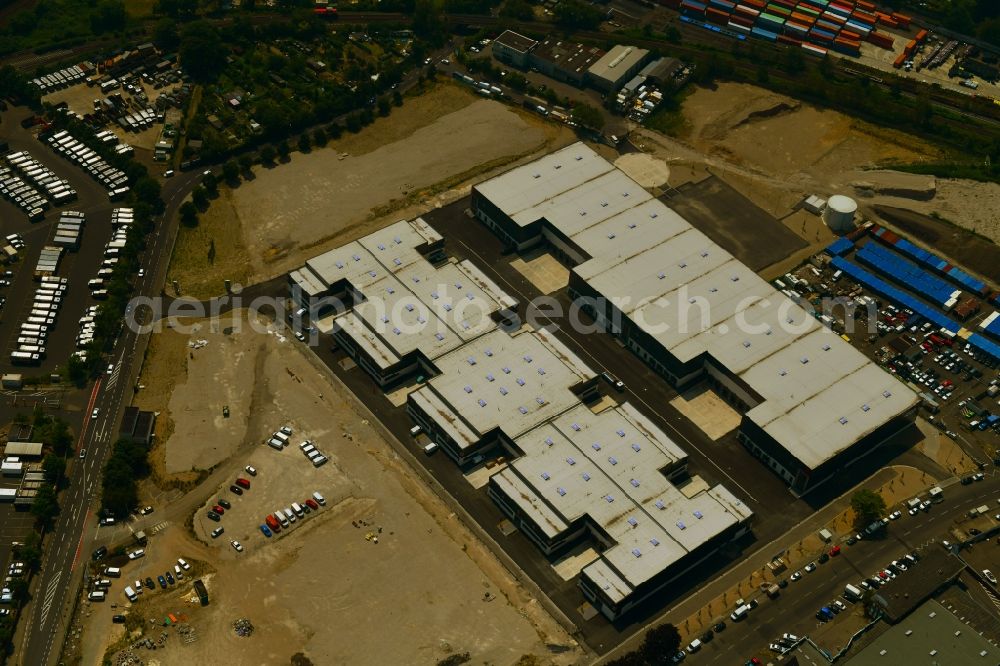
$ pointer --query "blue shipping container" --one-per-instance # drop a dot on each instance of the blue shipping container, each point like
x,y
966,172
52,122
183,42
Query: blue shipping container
x,y
764,34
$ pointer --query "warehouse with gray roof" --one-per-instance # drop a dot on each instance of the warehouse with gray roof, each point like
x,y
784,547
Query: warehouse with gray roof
x,y
811,403
581,469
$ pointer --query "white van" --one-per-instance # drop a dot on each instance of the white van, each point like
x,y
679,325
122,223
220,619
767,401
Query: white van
x,y
97,595
275,444
307,449
694,646
430,448
290,514
130,593
280,515
319,499
113,572
297,509
280,436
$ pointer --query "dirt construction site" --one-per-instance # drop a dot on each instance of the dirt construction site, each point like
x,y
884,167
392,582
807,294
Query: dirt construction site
x,y
435,145
776,151
383,559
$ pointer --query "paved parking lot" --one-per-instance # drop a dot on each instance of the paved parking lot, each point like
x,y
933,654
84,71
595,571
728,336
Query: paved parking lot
x,y
78,267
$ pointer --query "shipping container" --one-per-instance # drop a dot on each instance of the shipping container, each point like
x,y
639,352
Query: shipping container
x,y
813,50
921,36
716,16
764,34
820,34
791,41
902,19
745,29
881,39
900,59
747,11
804,19
742,21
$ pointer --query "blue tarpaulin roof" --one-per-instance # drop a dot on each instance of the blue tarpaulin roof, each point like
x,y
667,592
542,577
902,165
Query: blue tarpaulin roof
x,y
906,273
839,247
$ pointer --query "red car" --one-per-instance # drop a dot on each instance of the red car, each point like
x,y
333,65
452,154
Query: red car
x,y
243,483
835,551
218,509
311,503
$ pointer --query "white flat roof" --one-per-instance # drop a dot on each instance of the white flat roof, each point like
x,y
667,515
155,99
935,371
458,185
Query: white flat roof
x,y
512,382
694,298
605,468
408,304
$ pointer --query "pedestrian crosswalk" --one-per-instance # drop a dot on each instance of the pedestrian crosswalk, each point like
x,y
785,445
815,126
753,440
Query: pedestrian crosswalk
x,y
50,593
159,527
114,377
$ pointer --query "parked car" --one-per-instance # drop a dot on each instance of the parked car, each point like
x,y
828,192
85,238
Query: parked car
x,y
149,583
214,516
252,471
988,575
237,546
810,567
265,530
170,578
243,483
225,504
217,532
236,490
162,581
136,554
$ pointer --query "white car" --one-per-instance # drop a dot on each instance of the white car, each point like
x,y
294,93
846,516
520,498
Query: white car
x,y
111,369
94,414
796,576
988,575
895,515
136,554
169,173
810,567
237,546
142,272
252,471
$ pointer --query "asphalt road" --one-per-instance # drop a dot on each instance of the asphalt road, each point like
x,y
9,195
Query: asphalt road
x,y
53,590
794,610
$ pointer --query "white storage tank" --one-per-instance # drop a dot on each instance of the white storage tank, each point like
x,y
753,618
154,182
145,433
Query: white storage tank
x,y
839,213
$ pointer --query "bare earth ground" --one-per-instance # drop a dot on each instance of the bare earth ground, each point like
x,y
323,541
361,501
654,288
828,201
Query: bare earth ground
x,y
776,151
323,587
421,156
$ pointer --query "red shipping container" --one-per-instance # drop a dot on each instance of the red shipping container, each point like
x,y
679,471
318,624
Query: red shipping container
x,y
900,59
910,46
791,41
921,36
747,11
745,21
842,7
864,17
848,42
803,18
902,19
716,16
847,34
880,39
758,4
863,4
787,4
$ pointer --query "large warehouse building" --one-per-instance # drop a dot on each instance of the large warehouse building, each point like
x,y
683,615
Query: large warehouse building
x,y
576,473
811,403
581,469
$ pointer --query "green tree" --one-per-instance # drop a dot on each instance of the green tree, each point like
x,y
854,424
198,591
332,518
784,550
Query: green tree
x,y
335,131
661,644
283,149
397,98
165,35
304,143
202,51
210,183
384,106
189,214
31,552
319,137
427,21
576,14
109,17
54,468
267,154
76,371
231,170
868,506
199,197
246,163
763,75
588,116
45,507
517,9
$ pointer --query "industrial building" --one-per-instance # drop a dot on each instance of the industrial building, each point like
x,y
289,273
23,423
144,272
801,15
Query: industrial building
x,y
575,473
399,303
137,425
513,48
565,61
811,403
616,67
580,469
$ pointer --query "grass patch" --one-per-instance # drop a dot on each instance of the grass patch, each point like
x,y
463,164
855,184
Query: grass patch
x,y
138,9
669,118
199,274
977,172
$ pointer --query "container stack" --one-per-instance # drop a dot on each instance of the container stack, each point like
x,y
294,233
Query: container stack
x,y
931,260
818,26
911,276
